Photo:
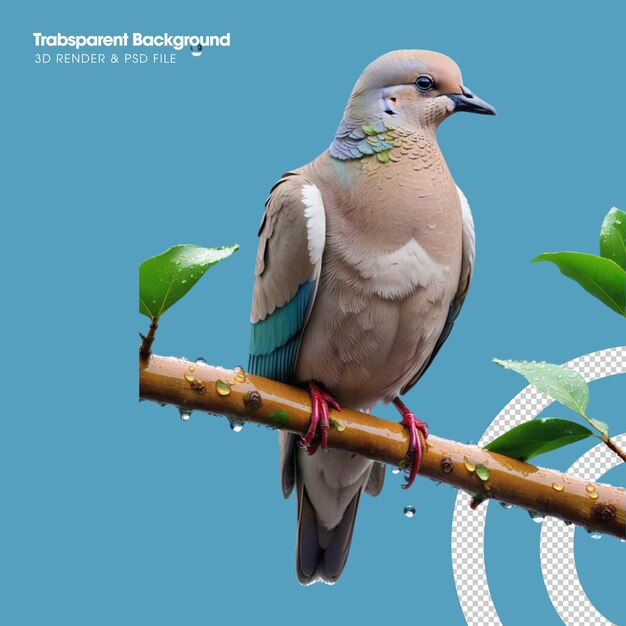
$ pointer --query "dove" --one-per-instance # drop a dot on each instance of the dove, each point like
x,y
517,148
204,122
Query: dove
x,y
365,257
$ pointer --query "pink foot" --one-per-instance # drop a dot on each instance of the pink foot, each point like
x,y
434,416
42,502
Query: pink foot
x,y
414,455
319,415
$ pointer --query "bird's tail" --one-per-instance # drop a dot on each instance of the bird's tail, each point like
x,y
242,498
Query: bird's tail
x,y
321,554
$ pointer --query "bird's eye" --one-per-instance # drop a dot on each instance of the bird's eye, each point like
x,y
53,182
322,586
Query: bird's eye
x,y
424,82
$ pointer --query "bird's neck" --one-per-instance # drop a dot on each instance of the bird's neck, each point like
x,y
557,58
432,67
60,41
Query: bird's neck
x,y
376,138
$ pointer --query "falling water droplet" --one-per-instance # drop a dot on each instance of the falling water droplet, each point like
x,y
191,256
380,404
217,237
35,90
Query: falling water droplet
x,y
185,414
395,470
236,426
536,517
196,51
200,360
594,534
409,511
506,505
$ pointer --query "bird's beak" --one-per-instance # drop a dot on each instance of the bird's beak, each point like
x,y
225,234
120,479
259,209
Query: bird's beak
x,y
467,101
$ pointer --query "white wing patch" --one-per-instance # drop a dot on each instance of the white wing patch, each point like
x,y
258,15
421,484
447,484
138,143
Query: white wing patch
x,y
397,273
315,222
469,239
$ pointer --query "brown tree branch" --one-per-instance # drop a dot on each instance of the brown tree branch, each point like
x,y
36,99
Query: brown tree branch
x,y
243,397
146,340
611,445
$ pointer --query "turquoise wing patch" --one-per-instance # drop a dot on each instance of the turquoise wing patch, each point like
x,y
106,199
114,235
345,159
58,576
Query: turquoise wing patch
x,y
275,340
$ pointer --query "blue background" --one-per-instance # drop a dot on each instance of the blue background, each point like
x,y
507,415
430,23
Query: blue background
x,y
118,512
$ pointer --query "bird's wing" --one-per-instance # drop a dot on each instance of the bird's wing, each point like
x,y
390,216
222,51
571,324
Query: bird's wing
x,y
289,259
465,277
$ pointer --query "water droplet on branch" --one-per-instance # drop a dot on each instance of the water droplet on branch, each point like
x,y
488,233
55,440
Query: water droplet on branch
x,y
222,387
235,425
469,466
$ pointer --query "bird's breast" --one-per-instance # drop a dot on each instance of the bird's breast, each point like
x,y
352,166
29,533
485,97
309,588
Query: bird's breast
x,y
389,271
396,273
398,226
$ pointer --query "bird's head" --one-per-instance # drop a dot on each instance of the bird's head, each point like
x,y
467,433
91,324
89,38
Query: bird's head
x,y
412,88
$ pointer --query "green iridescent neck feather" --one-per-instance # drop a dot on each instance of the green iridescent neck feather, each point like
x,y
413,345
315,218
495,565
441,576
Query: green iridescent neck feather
x,y
355,141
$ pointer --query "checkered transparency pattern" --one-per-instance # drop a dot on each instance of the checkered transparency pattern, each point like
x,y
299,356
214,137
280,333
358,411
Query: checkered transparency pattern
x,y
468,526
557,547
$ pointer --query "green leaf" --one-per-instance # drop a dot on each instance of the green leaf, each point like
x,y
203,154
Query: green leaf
x,y
613,237
603,427
166,278
602,278
532,438
557,381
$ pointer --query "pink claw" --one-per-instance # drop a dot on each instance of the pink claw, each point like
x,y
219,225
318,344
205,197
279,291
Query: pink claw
x,y
414,455
319,415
